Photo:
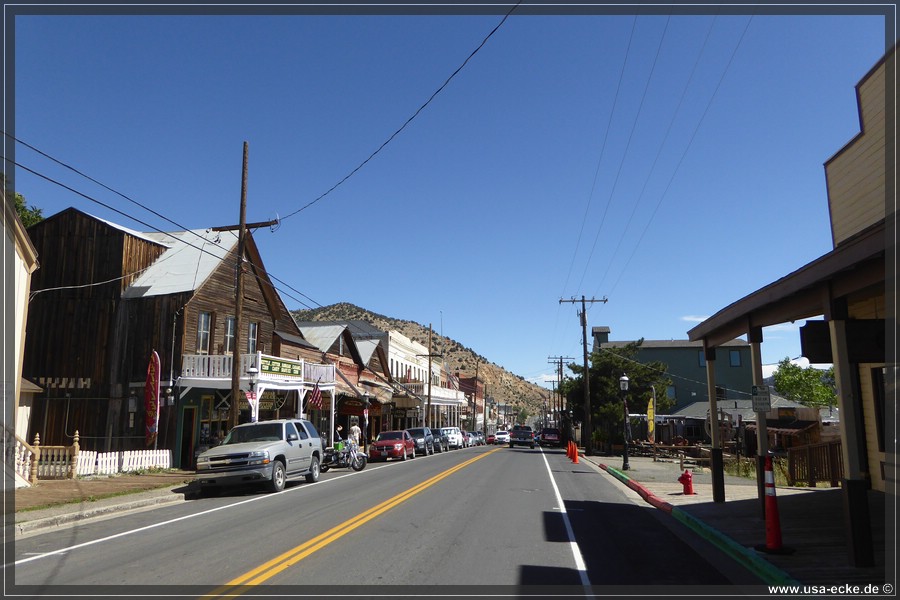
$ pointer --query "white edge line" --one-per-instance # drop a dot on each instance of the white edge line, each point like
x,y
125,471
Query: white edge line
x,y
576,551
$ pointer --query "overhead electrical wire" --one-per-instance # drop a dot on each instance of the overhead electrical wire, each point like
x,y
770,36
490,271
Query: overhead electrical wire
x,y
684,153
624,230
597,170
410,119
634,123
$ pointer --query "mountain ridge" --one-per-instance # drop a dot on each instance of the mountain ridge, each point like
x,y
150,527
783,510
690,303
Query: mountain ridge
x,y
505,387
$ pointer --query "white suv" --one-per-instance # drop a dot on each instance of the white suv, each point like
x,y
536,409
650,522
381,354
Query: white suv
x,y
454,435
501,437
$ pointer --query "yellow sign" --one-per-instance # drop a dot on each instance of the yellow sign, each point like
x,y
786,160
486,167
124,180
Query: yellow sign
x,y
651,421
280,367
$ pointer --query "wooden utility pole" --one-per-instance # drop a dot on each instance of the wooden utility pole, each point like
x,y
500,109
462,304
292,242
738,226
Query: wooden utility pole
x,y
586,425
239,290
428,411
557,403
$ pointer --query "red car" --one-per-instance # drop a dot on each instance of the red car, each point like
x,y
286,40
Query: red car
x,y
392,444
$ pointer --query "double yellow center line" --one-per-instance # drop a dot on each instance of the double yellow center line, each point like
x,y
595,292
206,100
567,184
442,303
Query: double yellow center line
x,y
278,564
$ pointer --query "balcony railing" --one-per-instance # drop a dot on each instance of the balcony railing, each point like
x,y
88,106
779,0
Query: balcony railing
x,y
437,392
270,369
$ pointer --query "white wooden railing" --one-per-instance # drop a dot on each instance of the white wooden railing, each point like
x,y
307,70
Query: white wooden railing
x,y
34,462
437,392
268,368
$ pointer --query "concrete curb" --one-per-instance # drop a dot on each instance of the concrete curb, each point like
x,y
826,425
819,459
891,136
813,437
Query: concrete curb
x,y
64,516
769,573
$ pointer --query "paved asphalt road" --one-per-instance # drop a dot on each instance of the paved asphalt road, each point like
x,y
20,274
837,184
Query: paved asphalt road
x,y
484,518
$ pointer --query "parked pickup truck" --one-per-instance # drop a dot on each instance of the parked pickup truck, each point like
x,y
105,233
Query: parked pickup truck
x,y
270,452
521,435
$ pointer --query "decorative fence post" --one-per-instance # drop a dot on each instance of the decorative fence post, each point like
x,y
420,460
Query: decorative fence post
x,y
73,462
36,458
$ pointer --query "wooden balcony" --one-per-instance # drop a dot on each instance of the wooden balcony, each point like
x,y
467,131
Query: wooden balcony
x,y
215,370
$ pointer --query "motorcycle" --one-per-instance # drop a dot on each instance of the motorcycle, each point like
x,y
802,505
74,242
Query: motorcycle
x,y
344,454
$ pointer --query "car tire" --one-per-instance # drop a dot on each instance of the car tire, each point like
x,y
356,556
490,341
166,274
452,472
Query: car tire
x,y
413,452
276,484
404,455
432,450
313,475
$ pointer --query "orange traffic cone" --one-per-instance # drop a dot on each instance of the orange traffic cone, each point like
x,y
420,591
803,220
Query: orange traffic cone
x,y
569,450
773,523
574,453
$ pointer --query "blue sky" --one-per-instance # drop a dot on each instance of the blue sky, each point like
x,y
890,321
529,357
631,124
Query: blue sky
x,y
672,164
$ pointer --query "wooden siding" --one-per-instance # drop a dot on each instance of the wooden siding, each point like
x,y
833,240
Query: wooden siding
x,y
71,331
855,176
216,296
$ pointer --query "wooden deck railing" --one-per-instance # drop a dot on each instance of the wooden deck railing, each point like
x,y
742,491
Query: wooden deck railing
x,y
814,463
34,462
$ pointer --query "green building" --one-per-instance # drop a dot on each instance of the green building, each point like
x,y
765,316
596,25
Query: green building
x,y
687,366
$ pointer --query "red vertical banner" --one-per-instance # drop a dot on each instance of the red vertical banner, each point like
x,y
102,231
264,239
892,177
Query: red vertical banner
x,y
151,399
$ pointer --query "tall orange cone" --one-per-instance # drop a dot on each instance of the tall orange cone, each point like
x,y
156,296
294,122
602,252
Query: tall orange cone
x,y
574,453
773,523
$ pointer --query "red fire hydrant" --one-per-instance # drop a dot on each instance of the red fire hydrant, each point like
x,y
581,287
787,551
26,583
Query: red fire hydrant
x,y
687,480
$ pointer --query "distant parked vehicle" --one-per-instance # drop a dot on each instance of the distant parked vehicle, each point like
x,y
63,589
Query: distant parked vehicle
x,y
392,444
424,439
490,438
455,436
472,439
479,438
441,440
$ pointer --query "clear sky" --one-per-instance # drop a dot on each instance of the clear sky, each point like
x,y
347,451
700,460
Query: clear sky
x,y
671,164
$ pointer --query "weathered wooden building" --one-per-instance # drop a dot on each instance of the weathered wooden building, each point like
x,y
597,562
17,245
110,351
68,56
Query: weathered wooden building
x,y
108,297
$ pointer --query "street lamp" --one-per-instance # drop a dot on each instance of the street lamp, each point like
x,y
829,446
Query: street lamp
x,y
254,406
623,385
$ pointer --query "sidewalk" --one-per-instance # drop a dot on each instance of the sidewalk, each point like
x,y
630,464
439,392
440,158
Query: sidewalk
x,y
54,503
812,520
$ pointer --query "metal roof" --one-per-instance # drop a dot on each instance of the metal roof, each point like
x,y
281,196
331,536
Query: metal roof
x,y
191,258
321,335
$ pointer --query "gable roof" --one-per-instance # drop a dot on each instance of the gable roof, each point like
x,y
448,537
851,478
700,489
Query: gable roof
x,y
190,259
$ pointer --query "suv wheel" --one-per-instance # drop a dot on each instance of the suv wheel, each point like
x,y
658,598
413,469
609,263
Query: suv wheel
x,y
276,484
313,475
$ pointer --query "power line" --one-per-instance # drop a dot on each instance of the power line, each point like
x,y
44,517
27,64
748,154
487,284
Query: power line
x,y
683,154
634,123
410,119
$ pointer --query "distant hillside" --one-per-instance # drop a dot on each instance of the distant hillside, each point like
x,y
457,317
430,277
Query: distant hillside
x,y
504,386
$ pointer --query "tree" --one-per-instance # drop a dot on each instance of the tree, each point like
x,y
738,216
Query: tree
x,y
28,214
606,367
810,386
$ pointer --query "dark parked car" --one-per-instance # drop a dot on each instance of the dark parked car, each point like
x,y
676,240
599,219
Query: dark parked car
x,y
550,437
441,440
424,439
392,444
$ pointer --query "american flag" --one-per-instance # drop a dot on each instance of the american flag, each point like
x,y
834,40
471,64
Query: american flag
x,y
315,398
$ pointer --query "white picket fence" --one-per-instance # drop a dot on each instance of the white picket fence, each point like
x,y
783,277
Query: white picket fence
x,y
110,463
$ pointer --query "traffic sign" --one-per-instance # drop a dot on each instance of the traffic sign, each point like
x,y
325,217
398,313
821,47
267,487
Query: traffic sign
x,y
762,402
